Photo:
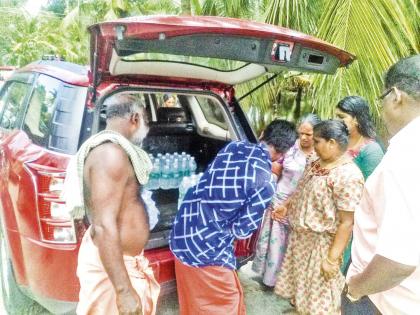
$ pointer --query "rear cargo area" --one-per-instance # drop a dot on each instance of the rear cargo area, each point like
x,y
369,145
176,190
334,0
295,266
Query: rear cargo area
x,y
182,140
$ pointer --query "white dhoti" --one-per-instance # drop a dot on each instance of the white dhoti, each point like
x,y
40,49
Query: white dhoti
x,y
97,295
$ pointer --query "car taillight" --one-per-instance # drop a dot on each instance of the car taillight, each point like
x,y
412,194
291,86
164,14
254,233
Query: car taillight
x,y
56,225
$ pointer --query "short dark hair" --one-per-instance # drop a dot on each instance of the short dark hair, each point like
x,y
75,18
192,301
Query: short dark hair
x,y
281,134
405,75
358,107
167,97
333,129
121,105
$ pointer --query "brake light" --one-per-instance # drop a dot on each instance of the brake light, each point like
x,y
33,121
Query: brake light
x,y
56,225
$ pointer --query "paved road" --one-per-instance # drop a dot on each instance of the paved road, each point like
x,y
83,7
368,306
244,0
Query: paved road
x,y
258,301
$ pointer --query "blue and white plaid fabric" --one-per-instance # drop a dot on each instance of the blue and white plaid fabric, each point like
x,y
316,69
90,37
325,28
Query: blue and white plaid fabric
x,y
227,203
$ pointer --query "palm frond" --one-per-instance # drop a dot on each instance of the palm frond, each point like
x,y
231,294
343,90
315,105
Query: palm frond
x,y
370,31
301,15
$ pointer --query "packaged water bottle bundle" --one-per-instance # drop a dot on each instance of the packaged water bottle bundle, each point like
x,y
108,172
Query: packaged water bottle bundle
x,y
170,169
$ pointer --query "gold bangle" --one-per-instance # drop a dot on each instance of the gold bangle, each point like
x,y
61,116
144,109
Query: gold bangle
x,y
331,262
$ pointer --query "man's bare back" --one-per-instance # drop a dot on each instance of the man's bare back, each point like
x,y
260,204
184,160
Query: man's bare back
x,y
132,221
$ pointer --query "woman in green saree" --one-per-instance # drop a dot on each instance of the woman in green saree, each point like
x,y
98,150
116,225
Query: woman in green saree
x,y
365,150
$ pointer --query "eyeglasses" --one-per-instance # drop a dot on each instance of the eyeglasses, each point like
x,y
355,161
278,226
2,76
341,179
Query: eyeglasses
x,y
384,94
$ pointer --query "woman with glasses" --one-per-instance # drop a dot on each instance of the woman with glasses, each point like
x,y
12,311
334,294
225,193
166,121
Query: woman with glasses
x,y
272,242
320,214
365,151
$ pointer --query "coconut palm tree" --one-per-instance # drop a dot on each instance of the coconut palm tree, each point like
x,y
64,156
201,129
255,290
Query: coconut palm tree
x,y
378,32
27,38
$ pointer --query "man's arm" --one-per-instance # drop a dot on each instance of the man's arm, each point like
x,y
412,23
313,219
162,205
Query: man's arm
x,y
253,210
108,177
377,277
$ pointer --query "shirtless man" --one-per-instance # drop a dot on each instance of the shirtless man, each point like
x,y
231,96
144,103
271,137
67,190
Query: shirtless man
x,y
114,275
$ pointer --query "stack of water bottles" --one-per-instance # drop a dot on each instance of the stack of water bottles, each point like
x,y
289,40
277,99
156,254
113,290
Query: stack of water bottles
x,y
169,170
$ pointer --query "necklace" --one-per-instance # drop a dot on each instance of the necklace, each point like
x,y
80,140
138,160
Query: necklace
x,y
335,163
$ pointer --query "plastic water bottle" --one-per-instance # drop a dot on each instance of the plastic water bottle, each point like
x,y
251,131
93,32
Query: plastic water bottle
x,y
192,165
185,167
154,176
165,179
175,174
161,160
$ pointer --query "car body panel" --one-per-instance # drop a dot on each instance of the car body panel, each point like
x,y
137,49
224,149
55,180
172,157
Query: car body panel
x,y
211,37
78,78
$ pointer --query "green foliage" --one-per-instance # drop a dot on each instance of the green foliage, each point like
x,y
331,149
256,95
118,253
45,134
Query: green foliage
x,y
302,15
12,3
378,32
58,7
27,39
231,8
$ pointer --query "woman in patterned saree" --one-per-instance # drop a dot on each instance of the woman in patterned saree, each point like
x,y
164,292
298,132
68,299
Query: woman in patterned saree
x,y
320,214
272,242
365,151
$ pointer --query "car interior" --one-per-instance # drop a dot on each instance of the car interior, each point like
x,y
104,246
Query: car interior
x,y
198,124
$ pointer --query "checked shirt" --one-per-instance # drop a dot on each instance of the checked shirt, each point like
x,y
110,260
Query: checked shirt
x,y
228,203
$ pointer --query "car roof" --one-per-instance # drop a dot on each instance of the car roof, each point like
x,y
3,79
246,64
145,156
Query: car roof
x,y
64,71
7,68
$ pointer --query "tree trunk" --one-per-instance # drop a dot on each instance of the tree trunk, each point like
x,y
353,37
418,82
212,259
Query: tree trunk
x,y
296,113
278,104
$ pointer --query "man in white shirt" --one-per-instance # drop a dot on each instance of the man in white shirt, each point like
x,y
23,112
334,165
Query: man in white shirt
x,y
385,269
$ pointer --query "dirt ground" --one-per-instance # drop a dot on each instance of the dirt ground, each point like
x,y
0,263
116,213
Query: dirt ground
x,y
258,301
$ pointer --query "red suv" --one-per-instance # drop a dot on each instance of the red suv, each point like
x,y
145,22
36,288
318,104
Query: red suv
x,y
48,108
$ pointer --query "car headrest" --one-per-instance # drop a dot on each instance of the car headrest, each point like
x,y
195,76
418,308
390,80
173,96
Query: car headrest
x,y
171,115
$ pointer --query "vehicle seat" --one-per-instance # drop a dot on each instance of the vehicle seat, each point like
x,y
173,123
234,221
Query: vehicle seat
x,y
172,132
171,115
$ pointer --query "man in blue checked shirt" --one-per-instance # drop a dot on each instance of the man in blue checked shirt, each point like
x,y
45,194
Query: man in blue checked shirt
x,y
228,203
